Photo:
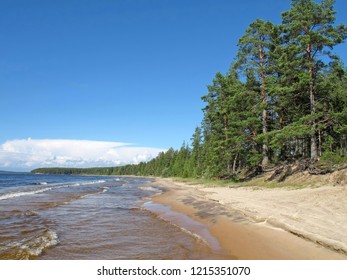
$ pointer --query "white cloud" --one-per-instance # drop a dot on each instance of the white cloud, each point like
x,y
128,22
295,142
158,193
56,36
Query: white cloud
x,y
32,153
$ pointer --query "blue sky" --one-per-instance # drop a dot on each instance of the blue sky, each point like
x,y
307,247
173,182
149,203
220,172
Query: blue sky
x,y
130,71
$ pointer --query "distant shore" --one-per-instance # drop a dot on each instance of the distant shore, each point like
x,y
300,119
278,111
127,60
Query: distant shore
x,y
262,223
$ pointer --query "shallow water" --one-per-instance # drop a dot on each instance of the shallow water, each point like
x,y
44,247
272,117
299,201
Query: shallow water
x,y
80,217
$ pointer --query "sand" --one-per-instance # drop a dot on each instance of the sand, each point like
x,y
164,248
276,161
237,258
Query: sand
x,y
261,223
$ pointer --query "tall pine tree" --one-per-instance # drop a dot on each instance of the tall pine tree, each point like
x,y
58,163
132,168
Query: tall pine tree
x,y
255,56
310,27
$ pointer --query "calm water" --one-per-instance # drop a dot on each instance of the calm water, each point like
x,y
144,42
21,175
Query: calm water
x,y
90,217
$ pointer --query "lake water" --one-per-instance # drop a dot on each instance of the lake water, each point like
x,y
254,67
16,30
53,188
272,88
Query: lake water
x,y
88,217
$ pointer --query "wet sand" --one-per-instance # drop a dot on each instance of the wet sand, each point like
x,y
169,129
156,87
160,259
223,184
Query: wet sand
x,y
256,224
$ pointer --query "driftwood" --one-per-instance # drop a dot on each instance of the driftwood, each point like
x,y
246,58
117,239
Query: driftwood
x,y
282,173
277,172
316,171
287,172
303,165
252,173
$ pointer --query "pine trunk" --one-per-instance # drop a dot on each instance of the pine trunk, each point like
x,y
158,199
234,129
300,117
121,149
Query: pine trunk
x,y
296,151
314,154
265,160
234,164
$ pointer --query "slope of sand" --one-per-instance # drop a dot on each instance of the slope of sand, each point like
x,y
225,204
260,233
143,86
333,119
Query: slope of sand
x,y
262,223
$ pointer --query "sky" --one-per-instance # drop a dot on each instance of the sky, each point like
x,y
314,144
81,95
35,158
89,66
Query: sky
x,y
109,82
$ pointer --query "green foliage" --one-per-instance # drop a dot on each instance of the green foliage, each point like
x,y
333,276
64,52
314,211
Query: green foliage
x,y
333,158
283,99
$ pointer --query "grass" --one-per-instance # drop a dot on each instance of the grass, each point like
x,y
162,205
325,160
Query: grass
x,y
210,183
257,182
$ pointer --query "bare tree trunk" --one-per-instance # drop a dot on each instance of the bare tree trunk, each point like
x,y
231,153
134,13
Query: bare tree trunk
x,y
343,144
296,151
234,164
281,119
319,143
225,124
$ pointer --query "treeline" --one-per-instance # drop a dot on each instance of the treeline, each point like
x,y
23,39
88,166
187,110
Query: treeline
x,y
283,100
75,171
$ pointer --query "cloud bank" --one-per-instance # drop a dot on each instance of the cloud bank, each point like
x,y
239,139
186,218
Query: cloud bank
x,y
26,154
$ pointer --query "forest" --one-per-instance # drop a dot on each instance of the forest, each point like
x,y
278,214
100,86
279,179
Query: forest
x,y
283,102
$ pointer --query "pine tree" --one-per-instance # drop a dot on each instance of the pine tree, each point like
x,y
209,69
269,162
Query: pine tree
x,y
255,56
196,160
310,27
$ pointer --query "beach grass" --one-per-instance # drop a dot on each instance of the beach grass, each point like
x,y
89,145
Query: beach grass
x,y
255,183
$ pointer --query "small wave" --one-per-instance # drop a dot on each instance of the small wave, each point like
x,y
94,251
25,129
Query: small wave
x,y
127,208
74,185
87,183
30,247
35,246
105,189
176,224
186,231
39,183
195,235
148,188
17,194
93,182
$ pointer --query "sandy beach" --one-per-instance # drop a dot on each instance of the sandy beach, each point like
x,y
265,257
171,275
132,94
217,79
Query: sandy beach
x,y
262,223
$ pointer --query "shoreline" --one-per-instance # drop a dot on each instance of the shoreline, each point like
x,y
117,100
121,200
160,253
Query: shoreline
x,y
248,230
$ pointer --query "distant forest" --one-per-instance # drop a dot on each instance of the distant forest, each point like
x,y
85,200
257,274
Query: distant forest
x,y
283,101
